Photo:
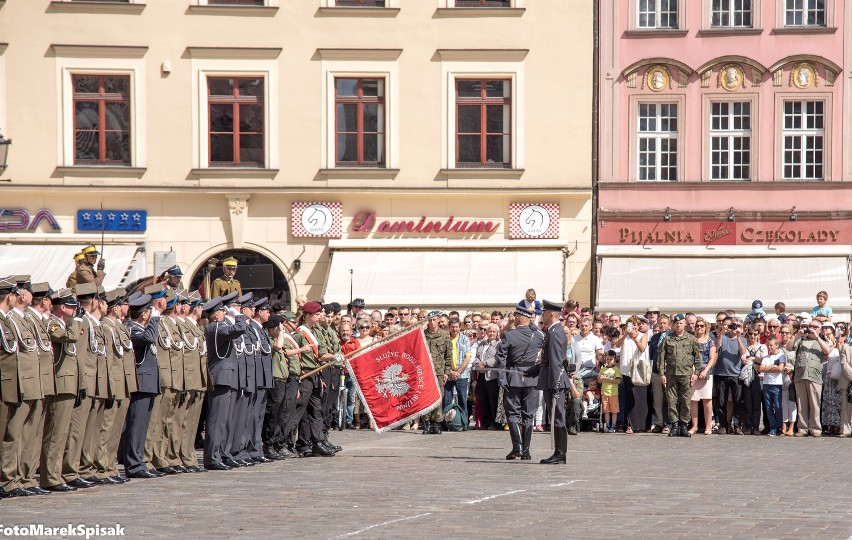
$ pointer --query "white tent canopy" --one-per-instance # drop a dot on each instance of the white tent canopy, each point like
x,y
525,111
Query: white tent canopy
x,y
710,284
444,278
53,263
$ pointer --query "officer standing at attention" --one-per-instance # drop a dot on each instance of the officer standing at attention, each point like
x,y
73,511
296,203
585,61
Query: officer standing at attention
x,y
441,349
9,394
680,363
64,331
86,272
517,355
227,283
143,329
553,378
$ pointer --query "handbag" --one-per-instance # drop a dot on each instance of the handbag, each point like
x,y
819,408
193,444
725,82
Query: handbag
x,y
836,370
640,369
791,394
747,374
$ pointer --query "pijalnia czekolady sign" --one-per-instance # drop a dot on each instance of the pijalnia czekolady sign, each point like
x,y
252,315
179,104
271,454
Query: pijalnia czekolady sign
x,y
396,379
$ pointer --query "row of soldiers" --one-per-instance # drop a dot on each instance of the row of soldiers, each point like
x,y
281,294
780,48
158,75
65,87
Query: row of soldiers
x,y
90,377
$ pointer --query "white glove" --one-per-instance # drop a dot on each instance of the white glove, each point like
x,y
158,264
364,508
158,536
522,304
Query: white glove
x,y
338,358
154,313
233,311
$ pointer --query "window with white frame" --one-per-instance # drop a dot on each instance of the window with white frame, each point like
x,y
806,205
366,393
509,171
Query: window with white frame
x,y
804,13
730,140
653,14
657,145
804,140
359,3
731,14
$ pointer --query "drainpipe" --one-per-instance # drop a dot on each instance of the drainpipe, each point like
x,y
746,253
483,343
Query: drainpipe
x,y
595,153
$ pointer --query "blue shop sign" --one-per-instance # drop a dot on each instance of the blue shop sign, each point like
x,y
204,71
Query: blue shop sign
x,y
112,220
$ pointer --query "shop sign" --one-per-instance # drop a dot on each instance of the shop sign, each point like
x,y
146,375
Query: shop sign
x,y
17,219
112,221
365,222
317,219
724,233
533,220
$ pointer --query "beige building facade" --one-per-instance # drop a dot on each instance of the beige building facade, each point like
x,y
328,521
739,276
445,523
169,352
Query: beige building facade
x,y
435,153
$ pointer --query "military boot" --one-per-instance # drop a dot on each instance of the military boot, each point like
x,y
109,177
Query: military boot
x,y
560,435
515,434
427,428
684,431
675,430
527,437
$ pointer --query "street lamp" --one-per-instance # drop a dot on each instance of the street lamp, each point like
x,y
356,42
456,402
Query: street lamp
x,y
4,151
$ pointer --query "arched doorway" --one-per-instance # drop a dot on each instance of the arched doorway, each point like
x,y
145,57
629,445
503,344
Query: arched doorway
x,y
255,272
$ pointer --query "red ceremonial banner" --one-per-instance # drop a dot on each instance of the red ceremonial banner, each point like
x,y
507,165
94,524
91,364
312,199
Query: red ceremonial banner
x,y
396,379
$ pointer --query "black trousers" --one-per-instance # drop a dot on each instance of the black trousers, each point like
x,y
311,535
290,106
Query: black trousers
x,y
487,392
331,376
273,418
520,403
309,408
220,404
289,420
131,449
724,386
557,411
752,404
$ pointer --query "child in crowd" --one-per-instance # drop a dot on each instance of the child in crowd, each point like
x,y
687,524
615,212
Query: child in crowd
x,y
610,378
772,366
591,397
781,311
821,312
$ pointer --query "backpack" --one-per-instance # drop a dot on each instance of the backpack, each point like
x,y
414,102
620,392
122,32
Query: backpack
x,y
454,417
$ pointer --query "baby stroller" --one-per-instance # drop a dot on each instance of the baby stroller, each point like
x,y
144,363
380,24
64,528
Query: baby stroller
x,y
591,419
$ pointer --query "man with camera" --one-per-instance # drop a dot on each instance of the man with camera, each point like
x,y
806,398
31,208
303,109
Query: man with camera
x,y
731,350
807,375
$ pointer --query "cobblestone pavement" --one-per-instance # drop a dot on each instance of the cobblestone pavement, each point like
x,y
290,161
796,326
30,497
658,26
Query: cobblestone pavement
x,y
458,485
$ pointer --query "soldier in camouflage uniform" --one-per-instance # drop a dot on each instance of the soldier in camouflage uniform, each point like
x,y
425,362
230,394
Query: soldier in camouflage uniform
x,y
680,363
441,349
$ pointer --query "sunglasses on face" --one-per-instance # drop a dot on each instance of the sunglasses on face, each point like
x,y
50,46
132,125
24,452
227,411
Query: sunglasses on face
x,y
700,325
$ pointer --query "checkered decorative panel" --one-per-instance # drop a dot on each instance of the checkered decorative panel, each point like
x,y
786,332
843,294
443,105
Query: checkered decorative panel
x,y
533,220
317,219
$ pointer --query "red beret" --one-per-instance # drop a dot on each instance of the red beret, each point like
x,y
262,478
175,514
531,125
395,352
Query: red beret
x,y
312,307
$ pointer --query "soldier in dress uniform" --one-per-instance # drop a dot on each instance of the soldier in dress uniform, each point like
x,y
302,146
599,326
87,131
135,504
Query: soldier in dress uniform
x,y
227,283
88,407
35,317
64,330
680,364
221,336
86,272
517,354
9,394
309,407
118,345
553,378
144,331
172,278
263,377
195,375
240,418
71,282
173,397
441,348
166,398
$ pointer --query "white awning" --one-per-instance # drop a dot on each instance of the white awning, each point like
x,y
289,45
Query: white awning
x,y
54,263
446,279
706,285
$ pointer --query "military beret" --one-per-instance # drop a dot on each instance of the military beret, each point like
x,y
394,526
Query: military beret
x,y
40,290
312,307
434,313
547,305
84,291
358,302
156,291
230,297
679,317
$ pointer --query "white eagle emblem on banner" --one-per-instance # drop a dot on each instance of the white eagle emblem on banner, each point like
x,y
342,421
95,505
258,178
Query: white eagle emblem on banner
x,y
392,381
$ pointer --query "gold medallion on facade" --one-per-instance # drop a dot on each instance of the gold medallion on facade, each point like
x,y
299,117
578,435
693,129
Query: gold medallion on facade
x,y
803,76
731,77
657,78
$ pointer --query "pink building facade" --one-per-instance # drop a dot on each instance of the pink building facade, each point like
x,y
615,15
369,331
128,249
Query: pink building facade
x,y
723,175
